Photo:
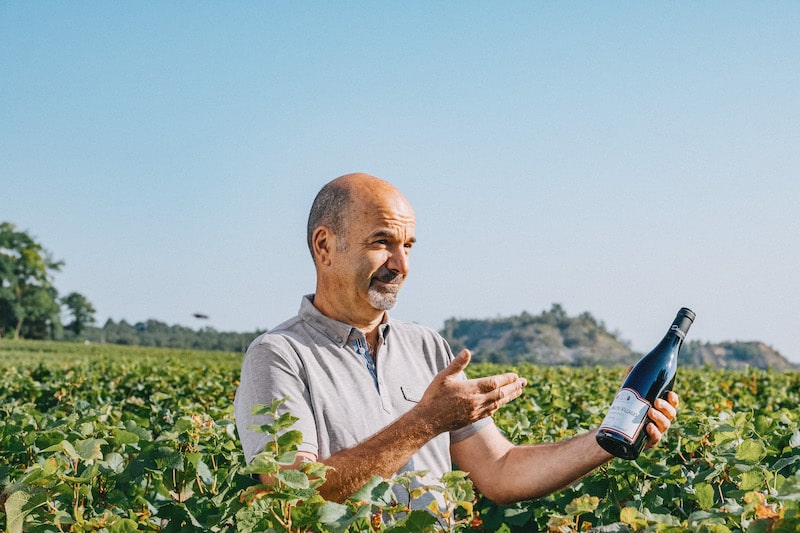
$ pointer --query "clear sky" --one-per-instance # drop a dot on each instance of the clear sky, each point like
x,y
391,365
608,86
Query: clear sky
x,y
620,158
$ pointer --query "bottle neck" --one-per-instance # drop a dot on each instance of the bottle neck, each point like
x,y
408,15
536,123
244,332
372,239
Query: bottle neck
x,y
671,341
677,331
680,326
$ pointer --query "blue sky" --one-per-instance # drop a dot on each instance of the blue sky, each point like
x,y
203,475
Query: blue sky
x,y
621,158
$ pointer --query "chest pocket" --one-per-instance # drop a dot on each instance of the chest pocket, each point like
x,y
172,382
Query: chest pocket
x,y
412,394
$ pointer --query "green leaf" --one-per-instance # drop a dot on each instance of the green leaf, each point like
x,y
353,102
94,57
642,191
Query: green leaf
x,y
584,504
632,517
704,493
263,463
286,420
561,403
414,522
751,451
49,467
293,479
169,459
113,462
333,513
786,461
63,446
142,432
287,458
517,514
204,473
751,479
15,513
790,490
364,494
290,440
124,525
122,436
722,437
89,449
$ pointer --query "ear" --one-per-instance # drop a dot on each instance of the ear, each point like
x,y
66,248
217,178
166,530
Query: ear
x,y
323,242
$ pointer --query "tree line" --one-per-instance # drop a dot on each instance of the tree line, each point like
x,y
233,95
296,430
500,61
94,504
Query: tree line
x,y
30,306
158,334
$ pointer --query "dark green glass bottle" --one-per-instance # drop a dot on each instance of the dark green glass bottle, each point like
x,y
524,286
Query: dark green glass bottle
x,y
622,430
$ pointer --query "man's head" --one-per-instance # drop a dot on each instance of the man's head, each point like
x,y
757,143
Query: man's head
x,y
360,231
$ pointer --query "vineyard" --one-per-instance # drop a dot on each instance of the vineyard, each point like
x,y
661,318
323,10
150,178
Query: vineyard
x,y
123,439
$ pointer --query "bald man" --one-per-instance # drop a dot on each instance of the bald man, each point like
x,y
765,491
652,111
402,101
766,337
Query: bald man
x,y
379,396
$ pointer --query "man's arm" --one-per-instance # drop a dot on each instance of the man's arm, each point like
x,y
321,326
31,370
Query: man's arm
x,y
505,473
449,403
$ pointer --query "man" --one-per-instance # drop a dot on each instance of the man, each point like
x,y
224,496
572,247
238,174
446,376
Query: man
x,y
378,396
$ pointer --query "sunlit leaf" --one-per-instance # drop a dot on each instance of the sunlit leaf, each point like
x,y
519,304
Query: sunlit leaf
x,y
704,492
751,451
293,478
89,449
15,514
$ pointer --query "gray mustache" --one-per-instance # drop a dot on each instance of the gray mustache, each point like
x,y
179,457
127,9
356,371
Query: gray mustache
x,y
387,276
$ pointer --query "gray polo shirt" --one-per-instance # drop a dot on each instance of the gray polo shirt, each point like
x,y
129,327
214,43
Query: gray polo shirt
x,y
324,369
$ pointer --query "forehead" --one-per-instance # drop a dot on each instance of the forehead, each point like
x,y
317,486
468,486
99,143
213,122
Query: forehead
x,y
389,213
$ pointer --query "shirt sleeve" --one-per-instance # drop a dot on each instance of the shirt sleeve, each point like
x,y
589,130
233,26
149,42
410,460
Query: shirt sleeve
x,y
271,370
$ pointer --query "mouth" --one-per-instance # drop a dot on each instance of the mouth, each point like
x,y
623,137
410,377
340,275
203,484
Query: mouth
x,y
387,281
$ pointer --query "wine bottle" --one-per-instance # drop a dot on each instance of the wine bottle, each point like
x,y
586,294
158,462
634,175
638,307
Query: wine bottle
x,y
622,431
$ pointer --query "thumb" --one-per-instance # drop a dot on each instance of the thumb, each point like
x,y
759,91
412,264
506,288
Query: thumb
x,y
459,362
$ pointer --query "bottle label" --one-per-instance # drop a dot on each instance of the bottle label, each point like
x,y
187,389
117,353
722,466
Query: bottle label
x,y
627,414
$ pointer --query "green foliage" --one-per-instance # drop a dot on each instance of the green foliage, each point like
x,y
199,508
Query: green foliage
x,y
731,461
123,439
81,309
120,439
28,300
158,334
291,503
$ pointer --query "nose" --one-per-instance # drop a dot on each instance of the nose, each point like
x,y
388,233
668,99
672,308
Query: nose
x,y
398,260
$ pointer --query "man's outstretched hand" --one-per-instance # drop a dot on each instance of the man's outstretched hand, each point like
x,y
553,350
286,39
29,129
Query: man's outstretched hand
x,y
450,403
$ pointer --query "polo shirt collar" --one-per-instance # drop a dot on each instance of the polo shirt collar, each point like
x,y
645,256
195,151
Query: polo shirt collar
x,y
339,332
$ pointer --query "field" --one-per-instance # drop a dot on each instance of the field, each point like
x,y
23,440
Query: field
x,y
122,439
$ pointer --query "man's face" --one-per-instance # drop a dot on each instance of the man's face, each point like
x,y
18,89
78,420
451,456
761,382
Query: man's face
x,y
372,258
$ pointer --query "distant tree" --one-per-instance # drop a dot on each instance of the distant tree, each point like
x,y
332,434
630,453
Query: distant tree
x,y
81,309
28,301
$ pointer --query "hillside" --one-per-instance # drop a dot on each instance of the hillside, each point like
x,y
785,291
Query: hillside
x,y
554,338
551,338
734,355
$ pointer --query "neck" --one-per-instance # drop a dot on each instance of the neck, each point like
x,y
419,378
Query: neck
x,y
365,320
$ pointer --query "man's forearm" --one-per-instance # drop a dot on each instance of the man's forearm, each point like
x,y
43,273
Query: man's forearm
x,y
383,455
542,469
505,473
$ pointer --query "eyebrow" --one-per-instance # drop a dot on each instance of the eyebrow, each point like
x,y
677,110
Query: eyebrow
x,y
391,235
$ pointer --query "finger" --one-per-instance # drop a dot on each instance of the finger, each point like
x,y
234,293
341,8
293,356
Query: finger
x,y
659,419
511,391
490,384
458,364
666,408
496,398
673,399
654,435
